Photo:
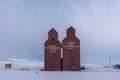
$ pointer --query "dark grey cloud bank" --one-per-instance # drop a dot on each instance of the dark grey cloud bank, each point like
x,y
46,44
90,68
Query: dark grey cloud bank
x,y
24,25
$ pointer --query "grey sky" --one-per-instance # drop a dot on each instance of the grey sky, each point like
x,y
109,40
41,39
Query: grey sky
x,y
24,25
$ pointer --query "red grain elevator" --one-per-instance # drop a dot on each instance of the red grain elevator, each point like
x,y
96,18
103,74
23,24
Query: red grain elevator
x,y
71,51
52,52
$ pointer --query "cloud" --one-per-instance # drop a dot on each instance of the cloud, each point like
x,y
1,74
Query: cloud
x,y
17,60
25,24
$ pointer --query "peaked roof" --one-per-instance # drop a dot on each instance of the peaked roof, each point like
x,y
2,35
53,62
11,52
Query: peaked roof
x,y
52,30
71,28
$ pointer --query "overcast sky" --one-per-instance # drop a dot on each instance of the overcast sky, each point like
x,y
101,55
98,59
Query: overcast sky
x,y
24,25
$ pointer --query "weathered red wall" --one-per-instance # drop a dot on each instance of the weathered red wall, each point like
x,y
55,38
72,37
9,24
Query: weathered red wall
x,y
52,51
71,51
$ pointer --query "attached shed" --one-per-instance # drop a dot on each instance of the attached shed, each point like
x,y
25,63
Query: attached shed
x,y
8,65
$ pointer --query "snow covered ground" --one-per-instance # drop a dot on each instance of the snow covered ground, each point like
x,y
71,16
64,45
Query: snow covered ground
x,y
32,72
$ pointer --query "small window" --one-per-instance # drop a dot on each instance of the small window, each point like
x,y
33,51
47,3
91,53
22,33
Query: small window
x,y
52,39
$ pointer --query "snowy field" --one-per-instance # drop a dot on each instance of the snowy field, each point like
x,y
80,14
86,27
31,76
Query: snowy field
x,y
28,72
41,75
32,75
